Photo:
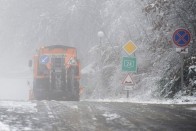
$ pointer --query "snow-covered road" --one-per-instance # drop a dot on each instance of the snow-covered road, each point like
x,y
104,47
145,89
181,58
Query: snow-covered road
x,y
94,116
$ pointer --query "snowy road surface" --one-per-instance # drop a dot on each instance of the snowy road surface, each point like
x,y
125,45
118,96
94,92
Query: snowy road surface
x,y
94,116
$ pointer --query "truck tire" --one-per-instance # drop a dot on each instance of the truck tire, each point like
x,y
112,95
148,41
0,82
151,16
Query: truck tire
x,y
40,89
73,84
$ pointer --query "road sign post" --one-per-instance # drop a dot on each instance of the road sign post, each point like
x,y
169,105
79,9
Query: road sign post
x,y
127,93
182,71
129,64
182,38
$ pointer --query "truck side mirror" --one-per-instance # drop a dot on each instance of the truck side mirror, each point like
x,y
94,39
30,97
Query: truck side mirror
x,y
30,63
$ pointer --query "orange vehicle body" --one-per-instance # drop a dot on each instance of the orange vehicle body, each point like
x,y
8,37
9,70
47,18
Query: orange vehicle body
x,y
56,73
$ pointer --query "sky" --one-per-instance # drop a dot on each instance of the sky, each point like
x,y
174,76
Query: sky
x,y
28,25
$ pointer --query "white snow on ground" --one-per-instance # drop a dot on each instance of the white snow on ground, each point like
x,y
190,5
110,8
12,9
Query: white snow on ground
x,y
192,108
182,100
19,107
4,127
49,111
111,116
70,105
75,107
179,98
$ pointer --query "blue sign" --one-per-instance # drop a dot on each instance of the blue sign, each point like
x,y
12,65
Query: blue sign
x,y
181,37
44,59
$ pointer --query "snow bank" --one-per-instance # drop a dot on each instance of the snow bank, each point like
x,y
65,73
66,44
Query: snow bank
x,y
182,100
192,108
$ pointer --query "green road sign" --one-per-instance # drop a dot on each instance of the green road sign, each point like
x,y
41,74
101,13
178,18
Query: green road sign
x,y
129,64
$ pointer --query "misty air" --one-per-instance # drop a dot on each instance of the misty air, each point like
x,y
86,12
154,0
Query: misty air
x,y
97,65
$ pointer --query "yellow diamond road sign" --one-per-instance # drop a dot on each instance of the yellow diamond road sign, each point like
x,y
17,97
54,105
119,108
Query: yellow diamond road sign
x,y
130,47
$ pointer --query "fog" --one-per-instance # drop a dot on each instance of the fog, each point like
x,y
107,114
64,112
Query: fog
x,y
26,25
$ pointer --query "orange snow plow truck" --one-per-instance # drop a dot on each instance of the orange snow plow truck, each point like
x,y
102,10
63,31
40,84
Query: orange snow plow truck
x,y
56,72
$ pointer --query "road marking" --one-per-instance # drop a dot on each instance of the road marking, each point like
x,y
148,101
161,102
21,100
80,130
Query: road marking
x,y
50,114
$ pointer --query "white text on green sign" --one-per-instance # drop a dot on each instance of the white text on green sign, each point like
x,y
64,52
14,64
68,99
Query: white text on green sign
x,y
129,64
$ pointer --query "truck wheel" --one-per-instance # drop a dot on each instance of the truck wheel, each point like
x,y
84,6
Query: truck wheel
x,y
73,84
39,89
36,86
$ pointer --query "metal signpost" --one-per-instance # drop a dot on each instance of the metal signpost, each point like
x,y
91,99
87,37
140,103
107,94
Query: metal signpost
x,y
182,38
100,35
129,64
